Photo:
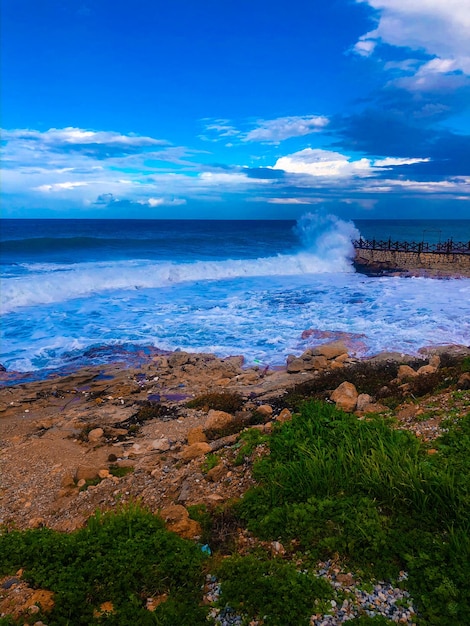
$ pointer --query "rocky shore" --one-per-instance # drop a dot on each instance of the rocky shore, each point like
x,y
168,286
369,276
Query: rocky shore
x,y
167,433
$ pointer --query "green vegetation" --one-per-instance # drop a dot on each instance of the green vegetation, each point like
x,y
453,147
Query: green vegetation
x,y
272,589
329,485
122,558
210,461
371,493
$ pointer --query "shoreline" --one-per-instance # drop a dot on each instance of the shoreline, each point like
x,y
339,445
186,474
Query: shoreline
x,y
61,432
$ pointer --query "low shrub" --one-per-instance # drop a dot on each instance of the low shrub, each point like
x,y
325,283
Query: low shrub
x,y
271,590
120,557
228,402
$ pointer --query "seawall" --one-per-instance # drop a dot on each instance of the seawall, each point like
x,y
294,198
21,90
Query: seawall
x,y
378,262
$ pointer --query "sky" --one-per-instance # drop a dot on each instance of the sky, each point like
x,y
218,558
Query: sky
x,y
226,109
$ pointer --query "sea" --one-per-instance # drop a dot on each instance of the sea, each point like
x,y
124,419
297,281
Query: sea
x,y
82,292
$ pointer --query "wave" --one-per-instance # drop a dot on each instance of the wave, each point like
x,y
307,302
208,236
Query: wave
x,y
326,242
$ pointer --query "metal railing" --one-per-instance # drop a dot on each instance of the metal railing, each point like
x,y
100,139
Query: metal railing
x,y
446,247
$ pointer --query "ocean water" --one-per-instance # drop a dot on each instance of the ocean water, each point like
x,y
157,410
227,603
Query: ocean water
x,y
75,292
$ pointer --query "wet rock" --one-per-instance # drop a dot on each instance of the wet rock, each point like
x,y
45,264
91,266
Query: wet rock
x,y
345,397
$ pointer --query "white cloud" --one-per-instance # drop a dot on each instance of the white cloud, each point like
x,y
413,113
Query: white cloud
x,y
266,131
392,162
439,27
154,202
323,164
60,186
290,201
74,136
274,131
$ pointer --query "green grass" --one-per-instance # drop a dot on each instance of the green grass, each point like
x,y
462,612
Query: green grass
x,y
373,495
123,558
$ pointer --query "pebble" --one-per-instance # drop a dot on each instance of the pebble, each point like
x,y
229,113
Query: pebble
x,y
380,601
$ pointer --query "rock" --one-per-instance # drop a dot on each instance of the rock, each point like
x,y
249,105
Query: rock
x,y
177,520
363,399
464,381
86,472
218,421
284,416
435,361
295,366
375,407
196,435
330,350
161,445
319,363
67,480
194,451
95,435
345,396
426,369
177,359
405,371
216,473
265,410
103,473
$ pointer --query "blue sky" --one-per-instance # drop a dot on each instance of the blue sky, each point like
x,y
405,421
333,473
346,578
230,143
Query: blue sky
x,y
246,109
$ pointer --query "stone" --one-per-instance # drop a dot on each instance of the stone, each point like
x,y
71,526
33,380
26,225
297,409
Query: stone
x,y
86,472
426,369
67,480
177,359
218,421
177,520
345,396
330,350
319,363
464,381
405,371
284,416
295,366
375,407
95,435
196,435
194,451
161,445
265,410
435,361
363,399
103,473
216,473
